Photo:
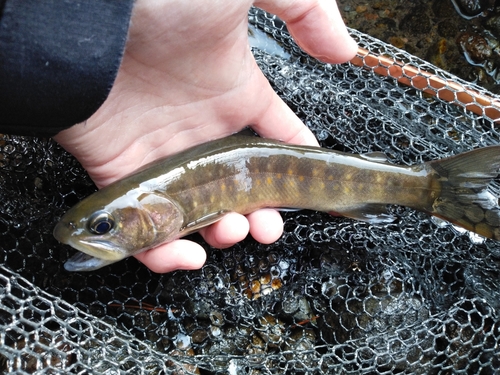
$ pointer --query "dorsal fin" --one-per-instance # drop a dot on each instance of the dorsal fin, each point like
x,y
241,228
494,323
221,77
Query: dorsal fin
x,y
247,132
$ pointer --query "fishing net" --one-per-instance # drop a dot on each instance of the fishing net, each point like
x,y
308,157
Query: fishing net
x,y
333,295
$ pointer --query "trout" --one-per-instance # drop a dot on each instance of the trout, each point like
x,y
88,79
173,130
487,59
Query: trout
x,y
180,194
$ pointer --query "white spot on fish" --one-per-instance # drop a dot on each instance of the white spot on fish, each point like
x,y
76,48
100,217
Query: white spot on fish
x,y
242,173
242,177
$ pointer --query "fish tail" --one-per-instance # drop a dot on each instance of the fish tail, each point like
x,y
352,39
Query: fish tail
x,y
461,189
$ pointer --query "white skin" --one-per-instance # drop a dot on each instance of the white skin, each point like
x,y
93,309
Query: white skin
x,y
188,76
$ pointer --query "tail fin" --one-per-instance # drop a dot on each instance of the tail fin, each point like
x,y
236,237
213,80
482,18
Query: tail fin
x,y
464,198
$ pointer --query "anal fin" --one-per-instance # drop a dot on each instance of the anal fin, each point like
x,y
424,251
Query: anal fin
x,y
372,213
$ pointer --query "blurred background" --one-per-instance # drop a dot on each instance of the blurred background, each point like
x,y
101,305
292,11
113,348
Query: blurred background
x,y
459,36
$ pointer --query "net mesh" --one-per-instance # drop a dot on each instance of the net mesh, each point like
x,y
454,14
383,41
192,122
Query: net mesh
x,y
333,295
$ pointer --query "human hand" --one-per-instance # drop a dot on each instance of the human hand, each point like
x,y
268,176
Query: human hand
x,y
188,76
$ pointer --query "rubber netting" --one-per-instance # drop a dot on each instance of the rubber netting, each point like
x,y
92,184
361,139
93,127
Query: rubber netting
x,y
333,295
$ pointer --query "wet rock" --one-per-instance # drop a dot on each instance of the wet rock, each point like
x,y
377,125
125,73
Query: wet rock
x,y
475,46
441,53
271,330
469,327
301,344
493,25
447,28
469,8
416,21
297,306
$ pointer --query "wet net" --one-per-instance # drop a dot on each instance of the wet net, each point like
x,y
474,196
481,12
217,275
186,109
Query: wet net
x,y
333,295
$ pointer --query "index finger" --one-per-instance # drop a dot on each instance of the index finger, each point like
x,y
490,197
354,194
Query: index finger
x,y
316,26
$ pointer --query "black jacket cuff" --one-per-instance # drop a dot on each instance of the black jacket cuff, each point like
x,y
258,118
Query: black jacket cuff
x,y
58,61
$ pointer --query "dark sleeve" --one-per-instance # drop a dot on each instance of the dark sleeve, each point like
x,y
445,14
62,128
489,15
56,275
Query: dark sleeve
x,y
58,61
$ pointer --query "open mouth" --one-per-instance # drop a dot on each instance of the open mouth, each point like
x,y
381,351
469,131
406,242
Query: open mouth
x,y
84,262
101,249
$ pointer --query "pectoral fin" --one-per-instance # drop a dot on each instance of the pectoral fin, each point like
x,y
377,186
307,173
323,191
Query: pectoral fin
x,y
202,222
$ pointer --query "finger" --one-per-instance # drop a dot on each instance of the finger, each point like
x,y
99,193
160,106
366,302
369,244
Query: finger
x,y
232,228
266,225
316,26
176,255
279,122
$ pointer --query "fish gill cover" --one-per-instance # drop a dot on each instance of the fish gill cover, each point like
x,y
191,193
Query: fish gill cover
x,y
333,295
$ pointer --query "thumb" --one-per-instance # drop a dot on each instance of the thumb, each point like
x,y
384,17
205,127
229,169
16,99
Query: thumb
x,y
316,26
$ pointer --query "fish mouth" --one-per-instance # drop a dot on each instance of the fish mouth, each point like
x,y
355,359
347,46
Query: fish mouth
x,y
101,249
61,231
84,262
96,247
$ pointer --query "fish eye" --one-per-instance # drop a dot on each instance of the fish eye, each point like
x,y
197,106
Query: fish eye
x,y
101,223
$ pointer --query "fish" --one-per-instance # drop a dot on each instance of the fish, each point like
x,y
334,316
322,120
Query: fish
x,y
178,195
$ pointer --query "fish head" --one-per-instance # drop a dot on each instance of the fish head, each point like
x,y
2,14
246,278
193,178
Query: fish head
x,y
107,231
